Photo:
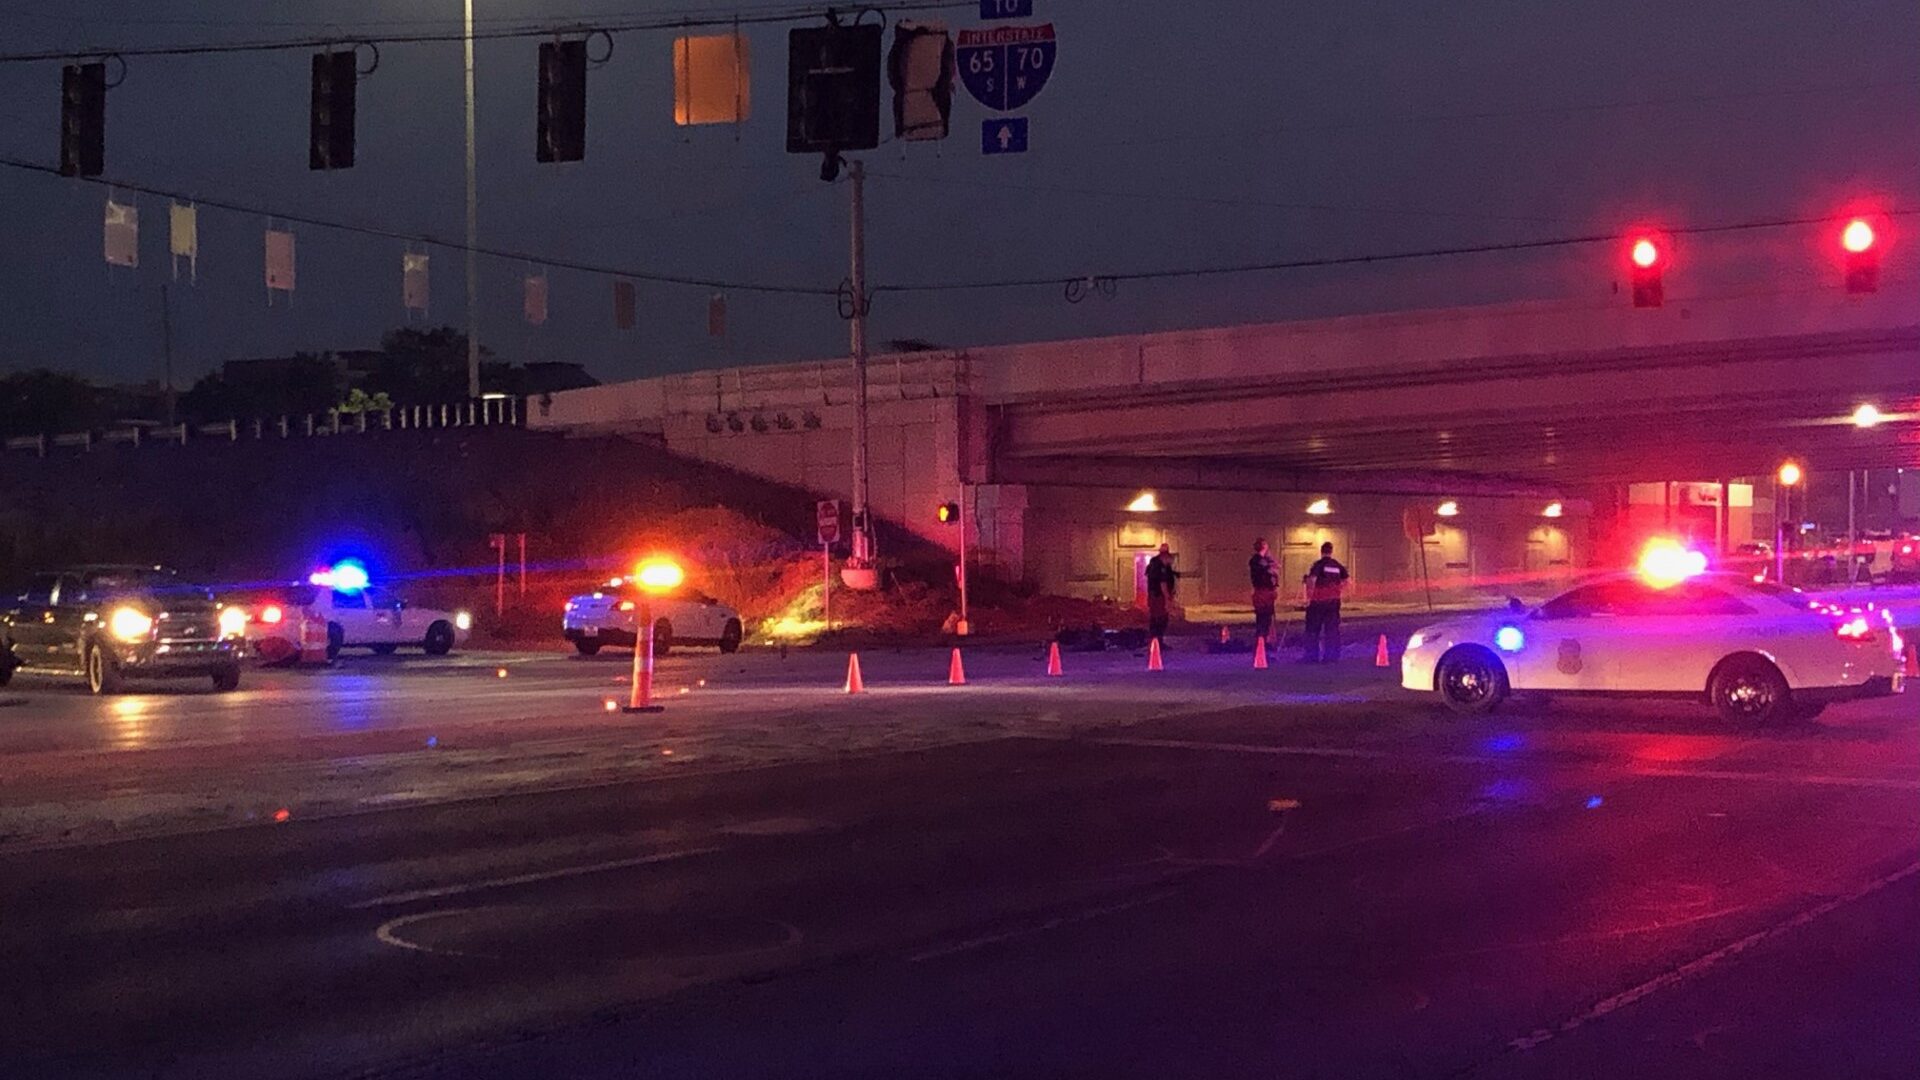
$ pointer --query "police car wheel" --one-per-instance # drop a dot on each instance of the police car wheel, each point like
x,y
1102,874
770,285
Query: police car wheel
x,y
336,640
1749,690
587,646
439,640
1471,680
227,679
730,637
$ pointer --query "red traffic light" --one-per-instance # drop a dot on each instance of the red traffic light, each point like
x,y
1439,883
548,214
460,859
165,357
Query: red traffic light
x,y
1647,261
1860,252
1858,236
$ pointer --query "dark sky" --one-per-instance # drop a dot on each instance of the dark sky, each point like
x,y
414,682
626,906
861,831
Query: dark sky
x,y
1173,134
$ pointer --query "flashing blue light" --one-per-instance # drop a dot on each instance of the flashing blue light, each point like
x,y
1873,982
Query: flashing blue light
x,y
1593,802
347,575
1509,639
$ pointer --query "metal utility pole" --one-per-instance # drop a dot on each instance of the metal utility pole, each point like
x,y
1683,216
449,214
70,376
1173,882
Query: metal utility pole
x,y
857,276
473,225
1853,536
166,353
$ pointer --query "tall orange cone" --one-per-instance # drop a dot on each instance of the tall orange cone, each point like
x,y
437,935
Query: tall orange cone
x,y
1053,660
854,685
1259,654
1380,653
1153,656
1913,660
956,671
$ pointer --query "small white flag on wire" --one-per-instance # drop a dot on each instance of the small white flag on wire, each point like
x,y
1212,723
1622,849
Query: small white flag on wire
x,y
413,281
122,237
534,303
184,239
279,261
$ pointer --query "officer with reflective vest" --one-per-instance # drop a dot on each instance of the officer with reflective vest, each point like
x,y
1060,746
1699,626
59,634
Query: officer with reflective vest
x,y
1264,575
1326,581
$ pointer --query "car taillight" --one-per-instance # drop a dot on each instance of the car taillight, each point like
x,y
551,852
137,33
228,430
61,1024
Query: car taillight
x,y
1857,630
271,614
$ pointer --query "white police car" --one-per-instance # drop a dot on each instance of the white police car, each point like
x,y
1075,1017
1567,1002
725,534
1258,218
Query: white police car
x,y
357,614
610,615
1757,653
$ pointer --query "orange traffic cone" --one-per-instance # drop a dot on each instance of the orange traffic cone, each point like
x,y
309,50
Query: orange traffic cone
x,y
1913,660
1053,660
1380,653
1153,656
1259,654
854,685
956,671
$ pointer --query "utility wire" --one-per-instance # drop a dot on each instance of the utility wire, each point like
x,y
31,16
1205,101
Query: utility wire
x,y
431,240
525,30
1354,260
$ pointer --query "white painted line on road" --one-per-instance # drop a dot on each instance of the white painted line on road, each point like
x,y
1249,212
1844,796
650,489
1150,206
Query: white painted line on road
x,y
526,879
1702,963
1086,915
1415,757
389,933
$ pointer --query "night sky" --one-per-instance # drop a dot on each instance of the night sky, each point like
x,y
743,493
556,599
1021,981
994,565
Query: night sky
x,y
1199,133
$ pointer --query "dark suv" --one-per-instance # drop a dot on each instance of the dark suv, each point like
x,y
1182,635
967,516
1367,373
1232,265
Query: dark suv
x,y
115,623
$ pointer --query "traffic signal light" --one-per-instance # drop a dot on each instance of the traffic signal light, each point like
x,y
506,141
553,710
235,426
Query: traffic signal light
x,y
83,119
1647,259
562,134
330,118
947,513
833,88
1860,245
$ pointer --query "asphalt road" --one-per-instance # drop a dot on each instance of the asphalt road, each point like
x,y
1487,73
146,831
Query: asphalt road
x,y
417,868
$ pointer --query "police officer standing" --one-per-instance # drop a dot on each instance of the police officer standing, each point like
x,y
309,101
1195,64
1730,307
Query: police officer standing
x,y
1326,581
1264,574
1161,581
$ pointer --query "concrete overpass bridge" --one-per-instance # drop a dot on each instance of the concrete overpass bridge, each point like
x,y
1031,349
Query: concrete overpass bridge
x,y
1502,411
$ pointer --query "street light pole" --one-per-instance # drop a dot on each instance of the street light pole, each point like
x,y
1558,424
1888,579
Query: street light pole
x,y
857,279
473,225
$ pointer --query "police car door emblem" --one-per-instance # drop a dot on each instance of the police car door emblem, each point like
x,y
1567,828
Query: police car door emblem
x,y
1569,661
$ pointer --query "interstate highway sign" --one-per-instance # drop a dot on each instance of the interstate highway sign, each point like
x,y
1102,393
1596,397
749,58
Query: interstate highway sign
x,y
1007,66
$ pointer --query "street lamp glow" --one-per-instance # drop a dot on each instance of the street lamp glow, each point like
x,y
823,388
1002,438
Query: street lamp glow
x,y
1448,509
1866,416
659,575
1789,474
1320,507
1553,510
1144,503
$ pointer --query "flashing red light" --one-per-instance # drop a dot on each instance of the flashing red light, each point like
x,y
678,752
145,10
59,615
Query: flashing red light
x,y
1646,253
1857,630
1858,235
1647,257
271,614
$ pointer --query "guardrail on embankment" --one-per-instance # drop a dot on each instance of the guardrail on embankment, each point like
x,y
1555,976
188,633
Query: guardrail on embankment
x,y
483,412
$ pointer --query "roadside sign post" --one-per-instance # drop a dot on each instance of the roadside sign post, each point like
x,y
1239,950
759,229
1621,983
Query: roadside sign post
x,y
964,627
827,527
498,542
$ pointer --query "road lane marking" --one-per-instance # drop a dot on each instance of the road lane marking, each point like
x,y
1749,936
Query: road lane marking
x,y
1084,915
389,933
1701,964
465,888
1889,783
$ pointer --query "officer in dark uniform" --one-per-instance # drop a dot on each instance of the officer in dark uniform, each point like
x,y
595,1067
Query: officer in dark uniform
x,y
1326,582
1264,574
1162,578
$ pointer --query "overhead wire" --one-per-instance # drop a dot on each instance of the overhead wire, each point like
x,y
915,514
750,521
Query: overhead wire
x,y
544,29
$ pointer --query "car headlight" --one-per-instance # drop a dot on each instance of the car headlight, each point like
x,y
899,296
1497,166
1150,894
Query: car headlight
x,y
130,624
1416,641
462,620
233,621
